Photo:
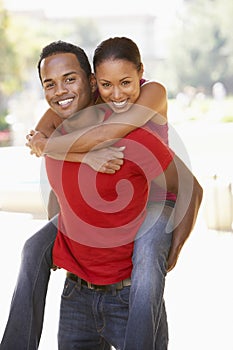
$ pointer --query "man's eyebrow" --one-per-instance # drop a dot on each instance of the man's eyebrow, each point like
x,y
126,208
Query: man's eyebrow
x,y
47,80
72,72
64,75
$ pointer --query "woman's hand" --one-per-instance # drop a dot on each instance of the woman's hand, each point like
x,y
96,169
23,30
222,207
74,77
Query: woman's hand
x,y
105,160
37,142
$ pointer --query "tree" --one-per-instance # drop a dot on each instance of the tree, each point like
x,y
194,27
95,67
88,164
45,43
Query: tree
x,y
201,46
8,61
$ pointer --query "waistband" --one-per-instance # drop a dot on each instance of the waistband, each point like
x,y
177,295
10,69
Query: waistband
x,y
98,287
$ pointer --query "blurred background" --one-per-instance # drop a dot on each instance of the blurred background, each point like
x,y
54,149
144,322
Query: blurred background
x,y
187,45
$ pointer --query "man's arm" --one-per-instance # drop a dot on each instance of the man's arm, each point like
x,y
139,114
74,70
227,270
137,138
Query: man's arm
x,y
182,182
48,123
53,207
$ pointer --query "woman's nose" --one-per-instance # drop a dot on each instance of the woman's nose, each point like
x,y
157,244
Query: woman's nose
x,y
116,93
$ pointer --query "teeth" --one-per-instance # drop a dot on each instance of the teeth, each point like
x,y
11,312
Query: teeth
x,y
119,104
64,102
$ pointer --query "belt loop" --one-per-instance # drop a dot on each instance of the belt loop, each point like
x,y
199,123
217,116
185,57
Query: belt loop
x,y
79,282
89,285
113,290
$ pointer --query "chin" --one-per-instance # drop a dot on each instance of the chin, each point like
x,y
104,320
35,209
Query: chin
x,y
121,110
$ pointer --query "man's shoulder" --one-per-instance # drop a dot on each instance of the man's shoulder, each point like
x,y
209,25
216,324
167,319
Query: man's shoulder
x,y
144,132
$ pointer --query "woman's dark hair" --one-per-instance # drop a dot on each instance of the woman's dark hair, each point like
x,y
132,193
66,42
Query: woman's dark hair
x,y
118,48
64,47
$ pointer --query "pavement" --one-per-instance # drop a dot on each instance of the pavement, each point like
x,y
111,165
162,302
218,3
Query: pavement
x,y
198,292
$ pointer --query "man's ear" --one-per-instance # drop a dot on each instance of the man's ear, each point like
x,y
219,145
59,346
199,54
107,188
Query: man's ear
x,y
93,83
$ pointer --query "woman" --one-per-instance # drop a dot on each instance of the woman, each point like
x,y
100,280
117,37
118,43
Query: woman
x,y
118,71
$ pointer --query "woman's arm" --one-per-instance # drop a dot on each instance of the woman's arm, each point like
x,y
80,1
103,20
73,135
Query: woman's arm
x,y
151,104
106,160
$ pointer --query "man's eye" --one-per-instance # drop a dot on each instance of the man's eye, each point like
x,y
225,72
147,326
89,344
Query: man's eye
x,y
49,86
70,80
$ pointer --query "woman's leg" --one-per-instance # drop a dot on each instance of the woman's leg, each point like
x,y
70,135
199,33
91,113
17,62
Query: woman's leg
x,y
147,309
161,339
24,325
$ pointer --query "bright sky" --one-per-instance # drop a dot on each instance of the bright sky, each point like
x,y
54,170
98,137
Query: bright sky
x,y
100,7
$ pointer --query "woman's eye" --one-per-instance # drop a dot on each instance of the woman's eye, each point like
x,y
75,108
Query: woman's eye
x,y
105,84
124,83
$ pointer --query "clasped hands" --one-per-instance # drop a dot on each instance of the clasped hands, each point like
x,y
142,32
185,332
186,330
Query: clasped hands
x,y
36,142
106,160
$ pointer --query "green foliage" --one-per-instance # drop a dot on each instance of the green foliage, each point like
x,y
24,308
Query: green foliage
x,y
3,123
21,38
9,72
201,45
38,30
200,48
227,119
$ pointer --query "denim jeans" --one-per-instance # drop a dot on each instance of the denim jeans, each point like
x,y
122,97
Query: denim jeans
x,y
146,327
25,321
91,319
134,318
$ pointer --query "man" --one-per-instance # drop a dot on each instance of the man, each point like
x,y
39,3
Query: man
x,y
171,175
24,325
97,226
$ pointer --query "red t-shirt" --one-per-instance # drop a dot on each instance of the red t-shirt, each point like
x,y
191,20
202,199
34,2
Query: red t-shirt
x,y
101,213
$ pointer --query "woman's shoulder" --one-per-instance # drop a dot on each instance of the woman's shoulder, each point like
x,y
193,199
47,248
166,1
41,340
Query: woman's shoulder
x,y
153,83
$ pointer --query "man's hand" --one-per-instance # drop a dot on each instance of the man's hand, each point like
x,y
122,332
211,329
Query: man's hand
x,y
37,142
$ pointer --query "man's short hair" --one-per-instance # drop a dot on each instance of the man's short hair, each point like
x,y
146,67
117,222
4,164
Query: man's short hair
x,y
64,47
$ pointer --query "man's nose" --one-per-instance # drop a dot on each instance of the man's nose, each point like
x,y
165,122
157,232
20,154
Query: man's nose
x,y
61,89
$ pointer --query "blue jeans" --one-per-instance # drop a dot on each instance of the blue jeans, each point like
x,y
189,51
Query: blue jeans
x,y
147,326
134,318
91,319
25,321
146,308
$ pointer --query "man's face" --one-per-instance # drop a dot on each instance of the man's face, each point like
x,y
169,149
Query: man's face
x,y
66,86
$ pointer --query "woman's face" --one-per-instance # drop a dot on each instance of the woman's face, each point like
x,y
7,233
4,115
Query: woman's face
x,y
118,83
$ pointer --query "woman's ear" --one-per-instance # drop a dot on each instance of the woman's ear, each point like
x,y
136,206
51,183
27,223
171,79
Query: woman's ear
x,y
93,82
141,71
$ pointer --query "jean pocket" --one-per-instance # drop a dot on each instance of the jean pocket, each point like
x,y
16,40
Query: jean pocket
x,y
123,295
69,288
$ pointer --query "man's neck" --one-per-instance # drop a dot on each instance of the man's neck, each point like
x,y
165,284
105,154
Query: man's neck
x,y
87,117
